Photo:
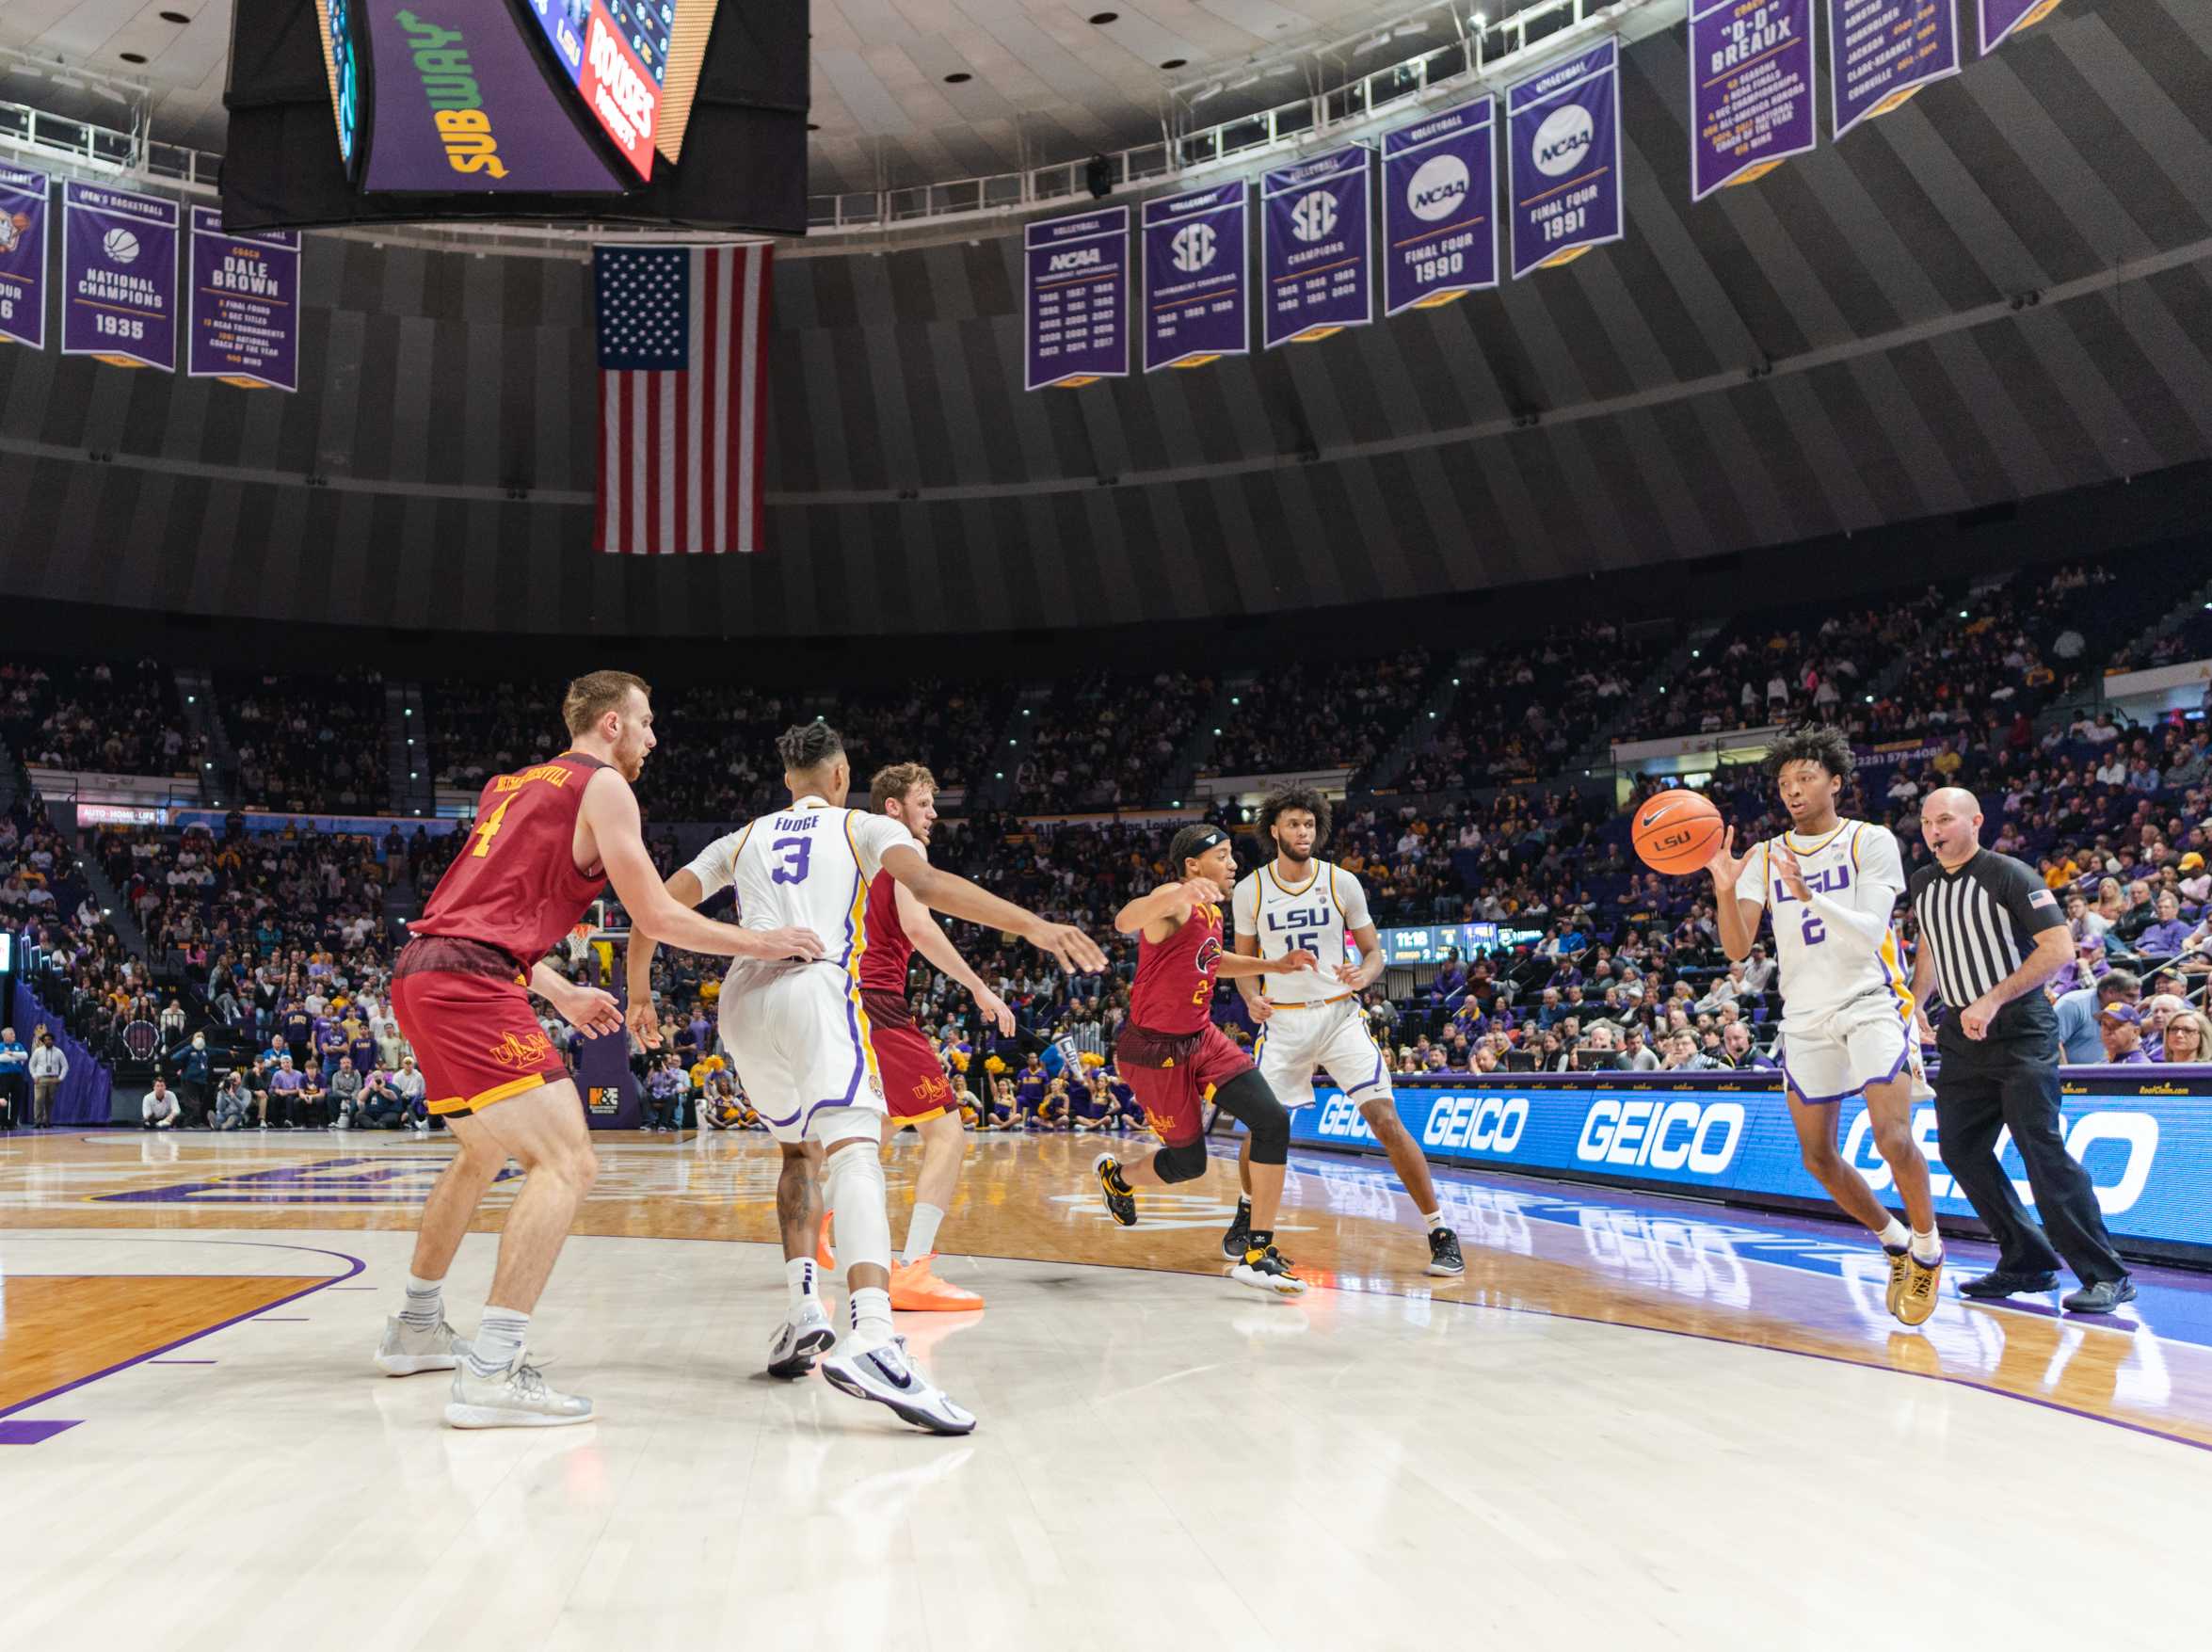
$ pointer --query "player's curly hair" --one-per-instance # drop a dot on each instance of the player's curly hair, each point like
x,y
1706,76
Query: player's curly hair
x,y
1287,797
805,747
1820,742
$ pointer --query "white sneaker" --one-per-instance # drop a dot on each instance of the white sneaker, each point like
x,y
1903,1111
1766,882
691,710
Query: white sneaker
x,y
517,1398
885,1375
404,1351
807,1333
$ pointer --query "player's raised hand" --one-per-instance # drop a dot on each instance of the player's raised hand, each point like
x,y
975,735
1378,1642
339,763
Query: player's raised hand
x,y
1298,959
800,944
1726,865
1078,953
1790,872
994,1010
1203,891
645,1024
590,1011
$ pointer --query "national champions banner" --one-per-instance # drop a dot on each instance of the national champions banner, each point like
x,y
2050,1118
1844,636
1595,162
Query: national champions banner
x,y
1075,298
245,304
1752,104
1195,267
1563,166
119,277
1881,52
24,198
2000,18
1315,247
1439,207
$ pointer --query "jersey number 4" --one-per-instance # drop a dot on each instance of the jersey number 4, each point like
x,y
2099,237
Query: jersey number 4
x,y
487,829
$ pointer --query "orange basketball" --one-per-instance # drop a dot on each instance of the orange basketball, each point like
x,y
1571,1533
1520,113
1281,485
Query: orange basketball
x,y
1676,833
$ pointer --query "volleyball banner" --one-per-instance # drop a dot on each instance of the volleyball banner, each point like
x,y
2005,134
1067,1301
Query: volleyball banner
x,y
1075,298
243,305
1195,271
24,197
1752,99
1563,166
1881,52
2000,18
1439,207
119,277
1315,247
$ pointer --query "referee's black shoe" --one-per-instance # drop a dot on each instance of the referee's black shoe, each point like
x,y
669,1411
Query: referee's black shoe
x,y
2102,1297
2000,1283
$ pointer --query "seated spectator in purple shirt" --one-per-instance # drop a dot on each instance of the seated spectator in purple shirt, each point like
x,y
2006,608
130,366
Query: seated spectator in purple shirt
x,y
2166,936
2121,1029
285,1086
2088,964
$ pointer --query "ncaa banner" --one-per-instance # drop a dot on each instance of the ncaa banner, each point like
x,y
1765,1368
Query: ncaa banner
x,y
1195,270
119,277
1881,52
2001,18
1563,166
1439,217
1314,248
245,304
1075,299
1752,104
24,197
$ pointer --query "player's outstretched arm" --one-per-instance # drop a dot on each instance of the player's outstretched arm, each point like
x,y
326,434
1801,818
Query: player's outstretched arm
x,y
948,892
932,942
588,1010
1256,1003
1737,918
637,964
1238,966
1165,911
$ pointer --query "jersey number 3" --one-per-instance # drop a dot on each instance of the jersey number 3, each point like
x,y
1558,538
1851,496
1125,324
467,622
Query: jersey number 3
x,y
791,857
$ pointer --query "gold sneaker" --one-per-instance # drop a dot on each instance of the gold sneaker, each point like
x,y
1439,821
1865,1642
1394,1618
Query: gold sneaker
x,y
1900,1265
1923,1289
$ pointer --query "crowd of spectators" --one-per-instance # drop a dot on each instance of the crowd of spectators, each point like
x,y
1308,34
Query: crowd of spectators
x,y
1108,741
1343,716
102,718
308,744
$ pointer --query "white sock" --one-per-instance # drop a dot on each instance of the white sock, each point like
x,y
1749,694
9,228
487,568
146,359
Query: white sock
x,y
921,1233
798,1274
872,1317
1897,1236
1432,1220
1928,1246
426,1303
498,1340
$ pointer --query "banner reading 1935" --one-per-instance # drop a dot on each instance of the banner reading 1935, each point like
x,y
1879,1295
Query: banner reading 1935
x,y
119,277
1881,52
1752,105
22,255
1439,212
1315,247
1563,171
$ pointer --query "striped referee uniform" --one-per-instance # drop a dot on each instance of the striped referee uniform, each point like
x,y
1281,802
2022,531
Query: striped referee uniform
x,y
1978,923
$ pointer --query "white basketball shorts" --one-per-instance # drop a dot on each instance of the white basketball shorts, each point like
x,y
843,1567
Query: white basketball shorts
x,y
797,1035
1330,1037
1867,1042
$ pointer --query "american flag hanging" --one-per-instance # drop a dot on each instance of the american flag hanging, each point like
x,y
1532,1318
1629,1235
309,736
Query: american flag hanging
x,y
682,359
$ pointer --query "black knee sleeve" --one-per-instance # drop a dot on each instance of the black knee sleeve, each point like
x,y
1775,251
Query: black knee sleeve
x,y
1246,1097
1183,1163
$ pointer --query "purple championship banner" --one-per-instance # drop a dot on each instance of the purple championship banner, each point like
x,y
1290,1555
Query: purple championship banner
x,y
1194,271
1563,159
1316,246
245,304
1439,207
1752,71
1075,299
1881,52
119,277
24,198
2000,19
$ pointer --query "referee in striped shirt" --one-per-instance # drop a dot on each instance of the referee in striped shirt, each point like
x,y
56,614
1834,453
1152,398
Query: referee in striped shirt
x,y
1991,935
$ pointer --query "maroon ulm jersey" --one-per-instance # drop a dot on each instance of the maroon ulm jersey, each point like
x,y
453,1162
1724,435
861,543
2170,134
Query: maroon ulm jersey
x,y
516,886
1174,989
883,965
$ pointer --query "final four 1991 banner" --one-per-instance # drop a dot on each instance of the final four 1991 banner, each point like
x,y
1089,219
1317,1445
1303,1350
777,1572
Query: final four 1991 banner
x,y
1075,298
1315,248
245,304
22,255
1563,141
1439,218
119,277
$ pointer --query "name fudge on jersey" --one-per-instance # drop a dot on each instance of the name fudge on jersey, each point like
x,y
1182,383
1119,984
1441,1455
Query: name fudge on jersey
x,y
1170,1053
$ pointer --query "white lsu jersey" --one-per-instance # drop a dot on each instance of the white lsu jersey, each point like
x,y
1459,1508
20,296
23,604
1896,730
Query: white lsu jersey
x,y
808,866
1825,969
1317,916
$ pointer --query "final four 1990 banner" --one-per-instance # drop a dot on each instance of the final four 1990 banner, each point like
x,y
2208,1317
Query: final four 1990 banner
x,y
1752,104
1075,298
1315,248
1563,141
1439,214
22,255
119,277
245,304
1194,268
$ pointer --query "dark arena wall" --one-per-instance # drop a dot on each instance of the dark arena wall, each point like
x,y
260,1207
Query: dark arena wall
x,y
2000,291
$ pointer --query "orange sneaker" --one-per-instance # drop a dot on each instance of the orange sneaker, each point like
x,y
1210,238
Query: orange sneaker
x,y
823,1254
916,1289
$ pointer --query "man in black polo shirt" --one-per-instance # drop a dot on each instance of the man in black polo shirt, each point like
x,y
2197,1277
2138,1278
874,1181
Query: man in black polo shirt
x,y
1991,935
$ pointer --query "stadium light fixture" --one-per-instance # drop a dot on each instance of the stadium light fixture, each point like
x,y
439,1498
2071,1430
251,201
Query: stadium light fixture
x,y
1962,613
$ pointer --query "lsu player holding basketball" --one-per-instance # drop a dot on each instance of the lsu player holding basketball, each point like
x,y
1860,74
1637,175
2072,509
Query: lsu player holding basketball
x,y
1170,1052
1312,1018
1829,884
798,1031
546,841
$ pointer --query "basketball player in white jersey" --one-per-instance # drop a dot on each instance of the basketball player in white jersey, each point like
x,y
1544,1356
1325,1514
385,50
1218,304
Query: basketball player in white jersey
x,y
1829,884
1312,1018
798,1035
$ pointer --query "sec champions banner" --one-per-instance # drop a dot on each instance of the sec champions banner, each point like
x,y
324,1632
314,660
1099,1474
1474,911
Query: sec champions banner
x,y
245,304
2000,18
1881,52
1194,271
1440,216
1075,298
1752,74
22,255
1315,248
119,277
1564,167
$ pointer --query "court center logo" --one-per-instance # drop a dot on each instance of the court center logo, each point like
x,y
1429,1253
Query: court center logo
x,y
1314,216
1563,141
513,1050
1192,246
1436,188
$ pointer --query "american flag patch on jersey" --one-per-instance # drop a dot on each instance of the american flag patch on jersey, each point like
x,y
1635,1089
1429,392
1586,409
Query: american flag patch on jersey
x,y
2043,898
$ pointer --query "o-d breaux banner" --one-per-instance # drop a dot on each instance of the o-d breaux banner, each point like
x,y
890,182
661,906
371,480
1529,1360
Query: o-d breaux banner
x,y
119,277
1439,207
1563,158
1075,298
1881,52
1753,68
24,197
1315,247
1195,271
245,304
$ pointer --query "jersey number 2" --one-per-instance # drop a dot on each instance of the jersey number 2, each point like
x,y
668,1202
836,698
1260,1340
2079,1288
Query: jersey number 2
x,y
1815,932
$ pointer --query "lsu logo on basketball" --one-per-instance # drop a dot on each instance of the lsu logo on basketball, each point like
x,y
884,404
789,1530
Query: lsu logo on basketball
x,y
513,1050
1699,1136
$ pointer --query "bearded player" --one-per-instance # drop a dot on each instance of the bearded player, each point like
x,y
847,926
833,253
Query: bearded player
x,y
1171,1052
1312,1018
546,841
1829,884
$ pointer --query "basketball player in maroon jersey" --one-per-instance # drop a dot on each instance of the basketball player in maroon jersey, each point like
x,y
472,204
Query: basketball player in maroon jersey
x,y
547,839
1170,1051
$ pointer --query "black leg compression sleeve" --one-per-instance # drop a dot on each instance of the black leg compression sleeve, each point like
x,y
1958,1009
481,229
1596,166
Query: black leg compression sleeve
x,y
1182,1163
1247,1098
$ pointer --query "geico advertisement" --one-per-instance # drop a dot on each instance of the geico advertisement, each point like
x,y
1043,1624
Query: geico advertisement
x,y
2147,1154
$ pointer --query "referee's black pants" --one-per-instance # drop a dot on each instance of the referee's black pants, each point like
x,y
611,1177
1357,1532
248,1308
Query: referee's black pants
x,y
1984,1087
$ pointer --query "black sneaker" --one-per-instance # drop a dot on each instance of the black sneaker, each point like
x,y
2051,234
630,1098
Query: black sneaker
x,y
1268,1271
1232,1242
1121,1205
2000,1283
2102,1297
1443,1255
